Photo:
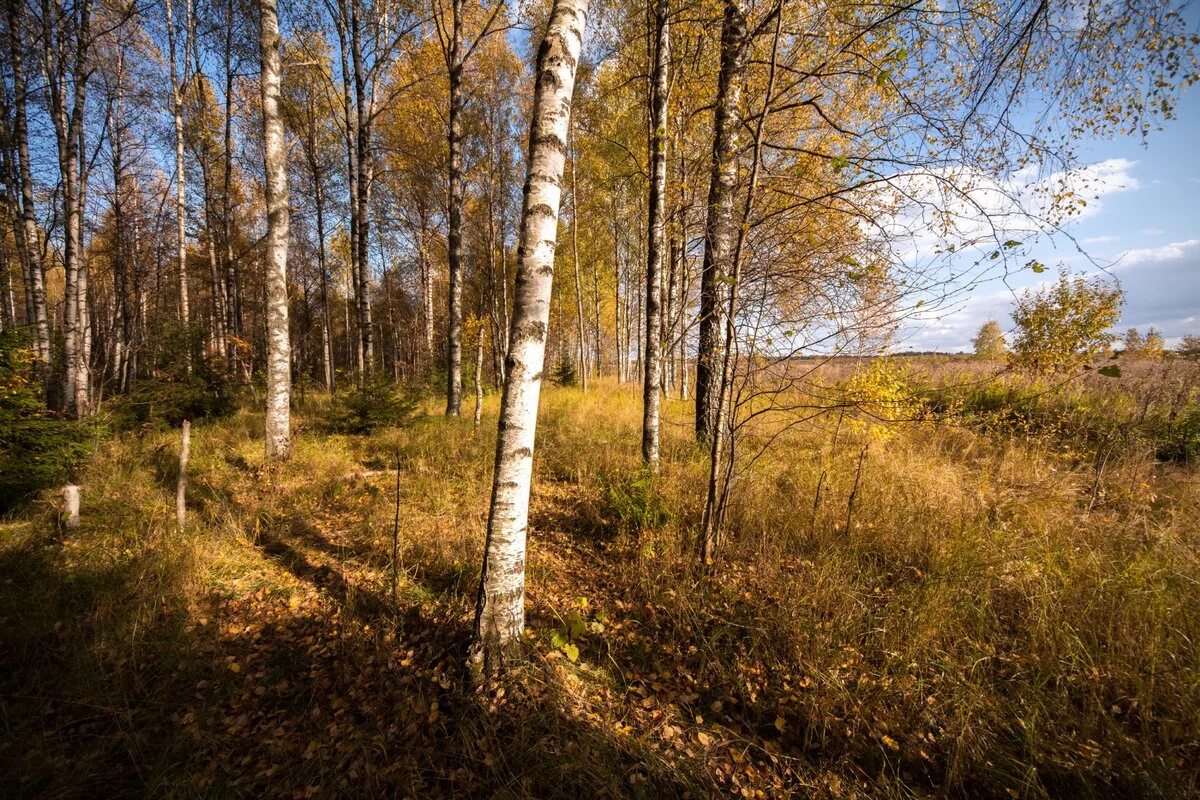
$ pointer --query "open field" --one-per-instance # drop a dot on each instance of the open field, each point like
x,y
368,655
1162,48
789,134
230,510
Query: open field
x,y
1012,611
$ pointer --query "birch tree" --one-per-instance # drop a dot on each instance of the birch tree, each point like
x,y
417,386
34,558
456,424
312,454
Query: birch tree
x,y
720,229
500,608
651,367
278,432
180,178
26,234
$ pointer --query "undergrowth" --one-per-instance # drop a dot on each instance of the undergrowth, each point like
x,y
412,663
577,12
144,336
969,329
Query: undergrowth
x,y
1004,612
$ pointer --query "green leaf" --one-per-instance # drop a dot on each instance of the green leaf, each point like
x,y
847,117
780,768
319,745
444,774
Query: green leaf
x,y
1011,243
1036,266
1110,371
558,640
881,79
572,651
839,163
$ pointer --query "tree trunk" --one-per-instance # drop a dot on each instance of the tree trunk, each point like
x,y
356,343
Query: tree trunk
x,y
363,194
651,370
719,230
500,610
28,241
233,305
479,375
278,434
180,178
454,67
185,454
719,475
326,320
575,221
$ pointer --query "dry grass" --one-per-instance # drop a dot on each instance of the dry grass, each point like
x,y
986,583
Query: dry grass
x,y
1005,617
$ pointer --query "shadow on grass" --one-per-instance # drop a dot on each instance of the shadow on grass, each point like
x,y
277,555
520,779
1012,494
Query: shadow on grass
x,y
116,682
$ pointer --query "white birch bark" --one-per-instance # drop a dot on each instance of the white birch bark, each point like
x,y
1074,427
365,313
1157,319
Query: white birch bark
x,y
185,454
500,611
278,433
180,178
651,371
719,231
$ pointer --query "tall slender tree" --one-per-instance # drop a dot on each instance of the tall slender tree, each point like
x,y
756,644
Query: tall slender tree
x,y
720,228
279,351
655,239
500,608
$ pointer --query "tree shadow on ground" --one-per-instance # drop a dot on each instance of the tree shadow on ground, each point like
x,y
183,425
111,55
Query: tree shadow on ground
x,y
116,683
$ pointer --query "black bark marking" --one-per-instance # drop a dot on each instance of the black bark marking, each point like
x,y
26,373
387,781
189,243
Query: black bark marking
x,y
534,330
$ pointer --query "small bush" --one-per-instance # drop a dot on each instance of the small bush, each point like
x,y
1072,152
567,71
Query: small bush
x,y
37,449
1181,439
170,398
635,502
564,370
374,404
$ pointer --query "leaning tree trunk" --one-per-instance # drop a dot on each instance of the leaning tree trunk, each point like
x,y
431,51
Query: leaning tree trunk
x,y
652,372
500,610
278,434
719,230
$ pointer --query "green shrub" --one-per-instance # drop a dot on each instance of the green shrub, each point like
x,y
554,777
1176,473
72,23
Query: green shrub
x,y
171,397
636,503
564,370
37,449
1181,439
375,403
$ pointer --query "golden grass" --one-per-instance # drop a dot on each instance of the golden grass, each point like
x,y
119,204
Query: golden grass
x,y
996,622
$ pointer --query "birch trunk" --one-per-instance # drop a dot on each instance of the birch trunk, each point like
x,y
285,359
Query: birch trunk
x,y
180,178
454,66
185,454
278,434
362,194
651,370
720,472
720,229
575,220
28,242
479,376
500,610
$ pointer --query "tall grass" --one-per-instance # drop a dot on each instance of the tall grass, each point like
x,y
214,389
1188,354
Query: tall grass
x,y
1011,611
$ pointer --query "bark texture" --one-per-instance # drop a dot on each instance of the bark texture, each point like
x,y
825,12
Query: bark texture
x,y
719,230
500,610
279,374
454,68
651,368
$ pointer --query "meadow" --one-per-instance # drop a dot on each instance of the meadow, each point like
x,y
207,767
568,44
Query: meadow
x,y
973,585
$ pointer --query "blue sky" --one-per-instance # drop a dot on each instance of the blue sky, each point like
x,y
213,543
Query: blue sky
x,y
1142,225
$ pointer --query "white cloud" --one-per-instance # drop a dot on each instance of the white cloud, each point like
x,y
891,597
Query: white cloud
x,y
1100,239
923,212
1169,252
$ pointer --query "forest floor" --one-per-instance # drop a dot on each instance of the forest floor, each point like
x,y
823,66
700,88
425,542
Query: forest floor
x,y
999,620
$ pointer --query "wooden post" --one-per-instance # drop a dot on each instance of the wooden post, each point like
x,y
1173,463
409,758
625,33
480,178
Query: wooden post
x,y
71,505
185,452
